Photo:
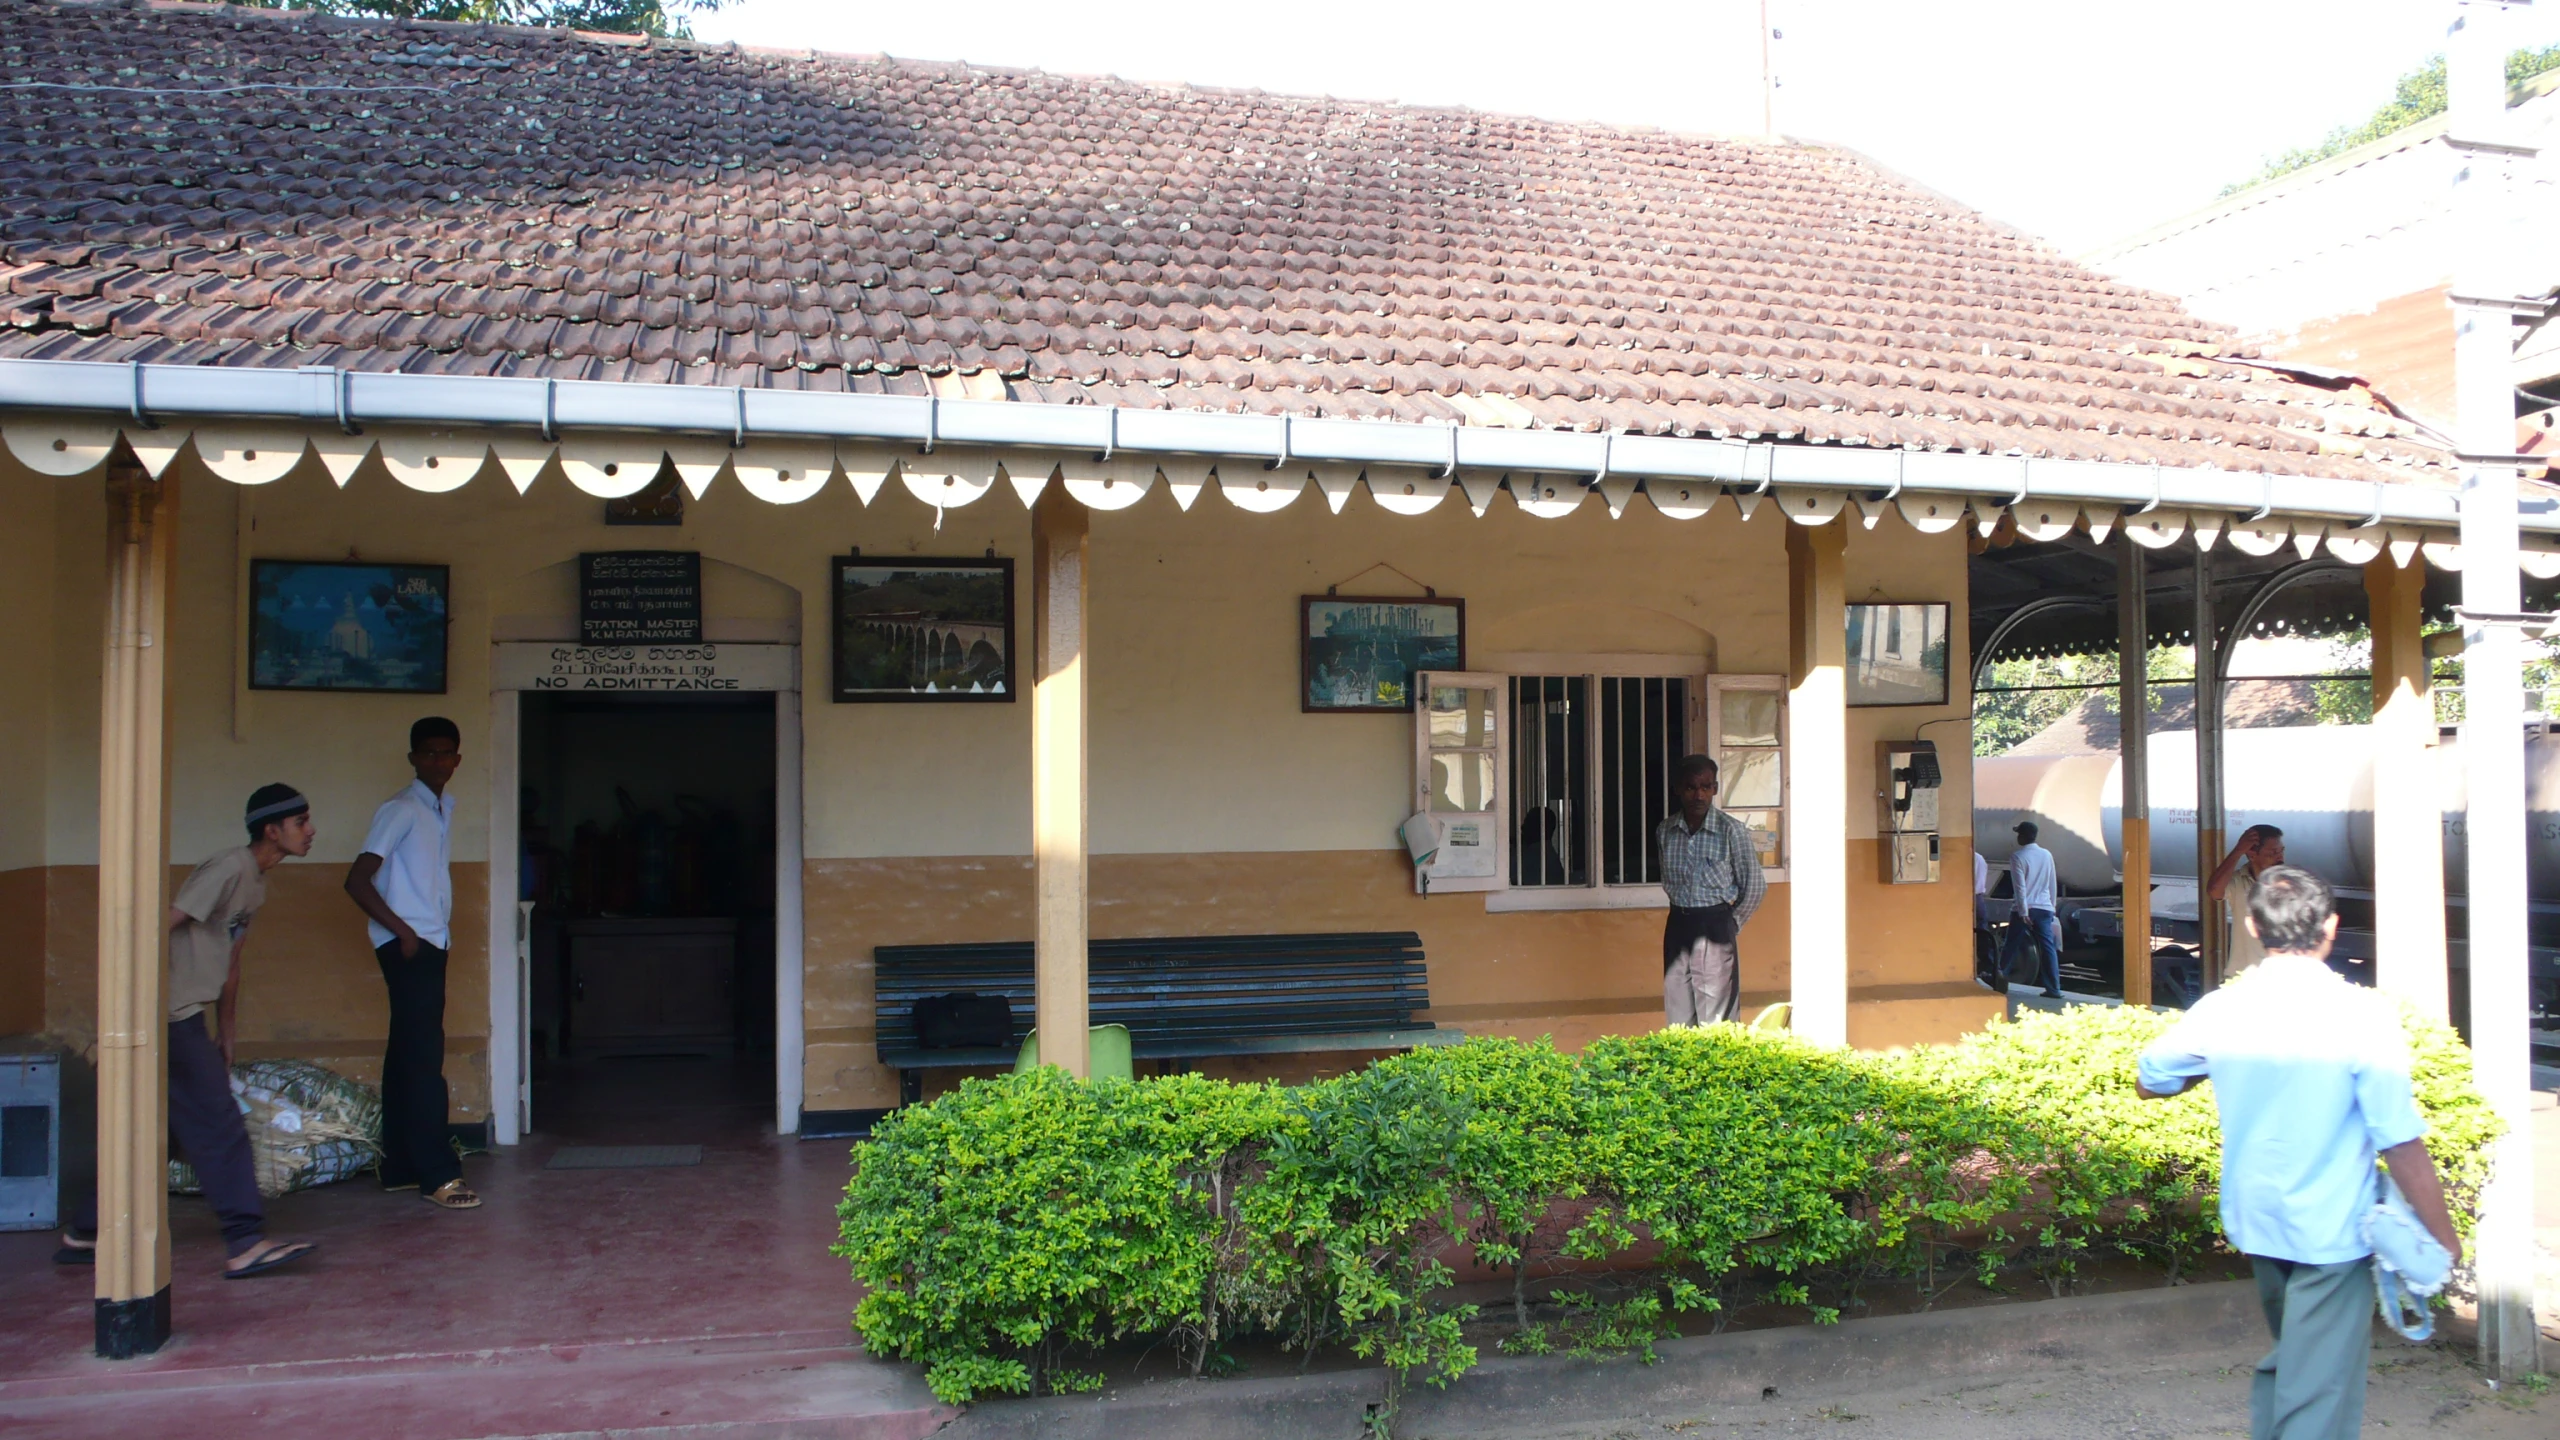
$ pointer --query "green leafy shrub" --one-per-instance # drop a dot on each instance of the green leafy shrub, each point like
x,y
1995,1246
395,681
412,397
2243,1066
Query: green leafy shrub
x,y
1020,1224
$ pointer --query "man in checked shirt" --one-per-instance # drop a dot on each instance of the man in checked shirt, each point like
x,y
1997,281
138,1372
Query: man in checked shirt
x,y
1711,871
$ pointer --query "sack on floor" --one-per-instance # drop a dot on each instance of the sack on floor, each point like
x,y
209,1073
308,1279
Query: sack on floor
x,y
308,1126
964,1020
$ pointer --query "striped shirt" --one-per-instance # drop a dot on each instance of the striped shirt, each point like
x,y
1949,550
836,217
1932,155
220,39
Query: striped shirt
x,y
1711,865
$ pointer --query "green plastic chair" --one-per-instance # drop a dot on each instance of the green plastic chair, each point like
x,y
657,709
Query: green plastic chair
x,y
1774,1018
1109,1050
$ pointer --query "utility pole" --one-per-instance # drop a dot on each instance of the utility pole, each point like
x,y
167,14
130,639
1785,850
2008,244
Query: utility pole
x,y
1768,78
2485,302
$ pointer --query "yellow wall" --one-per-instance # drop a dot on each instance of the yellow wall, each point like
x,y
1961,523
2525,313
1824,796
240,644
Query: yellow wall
x,y
1216,804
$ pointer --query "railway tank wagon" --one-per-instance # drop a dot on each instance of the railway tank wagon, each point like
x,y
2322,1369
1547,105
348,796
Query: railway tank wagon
x,y
2313,782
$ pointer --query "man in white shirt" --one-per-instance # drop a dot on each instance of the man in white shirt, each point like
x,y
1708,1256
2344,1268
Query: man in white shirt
x,y
404,884
1986,934
2311,1081
2035,893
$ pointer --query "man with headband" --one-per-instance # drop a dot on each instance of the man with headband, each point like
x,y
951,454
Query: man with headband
x,y
208,930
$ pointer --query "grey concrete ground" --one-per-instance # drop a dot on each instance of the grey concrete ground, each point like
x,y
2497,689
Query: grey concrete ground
x,y
2414,1391
2428,1391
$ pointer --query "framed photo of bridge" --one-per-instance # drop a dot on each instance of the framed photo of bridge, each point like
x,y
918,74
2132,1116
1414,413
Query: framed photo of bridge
x,y
1359,653
921,628
1898,653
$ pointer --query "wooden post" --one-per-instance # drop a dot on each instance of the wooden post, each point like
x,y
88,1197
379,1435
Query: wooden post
x,y
2408,813
1818,787
2213,943
2133,716
1058,813
133,877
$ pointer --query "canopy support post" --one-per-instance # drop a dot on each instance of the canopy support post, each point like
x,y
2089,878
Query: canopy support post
x,y
1061,1005
2133,716
2408,810
1818,790
2213,944
133,878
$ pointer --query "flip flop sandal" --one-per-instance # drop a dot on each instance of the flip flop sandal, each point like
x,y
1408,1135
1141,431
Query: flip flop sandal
x,y
76,1255
453,1195
284,1254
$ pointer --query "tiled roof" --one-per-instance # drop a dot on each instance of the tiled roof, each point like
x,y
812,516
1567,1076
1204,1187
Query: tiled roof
x,y
250,187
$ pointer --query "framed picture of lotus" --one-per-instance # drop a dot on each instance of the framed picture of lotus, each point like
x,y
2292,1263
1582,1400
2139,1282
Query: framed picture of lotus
x,y
918,628
347,625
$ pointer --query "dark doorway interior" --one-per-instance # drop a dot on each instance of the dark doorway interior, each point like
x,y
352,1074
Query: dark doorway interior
x,y
648,853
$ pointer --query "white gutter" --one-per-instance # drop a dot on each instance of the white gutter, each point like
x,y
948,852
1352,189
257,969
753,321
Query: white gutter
x,y
351,399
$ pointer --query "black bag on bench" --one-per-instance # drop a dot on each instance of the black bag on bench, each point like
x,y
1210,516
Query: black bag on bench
x,y
963,1020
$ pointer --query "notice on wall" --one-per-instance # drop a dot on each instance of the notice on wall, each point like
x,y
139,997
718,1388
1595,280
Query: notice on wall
x,y
640,597
534,665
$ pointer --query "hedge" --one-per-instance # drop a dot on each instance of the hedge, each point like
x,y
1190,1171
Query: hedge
x,y
1009,1230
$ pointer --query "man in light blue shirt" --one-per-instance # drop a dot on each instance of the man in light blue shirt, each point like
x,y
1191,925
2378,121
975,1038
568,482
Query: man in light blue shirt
x,y
2035,892
2311,1078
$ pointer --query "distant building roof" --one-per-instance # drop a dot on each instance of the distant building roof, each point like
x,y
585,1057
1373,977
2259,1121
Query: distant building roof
x,y
2344,263
250,187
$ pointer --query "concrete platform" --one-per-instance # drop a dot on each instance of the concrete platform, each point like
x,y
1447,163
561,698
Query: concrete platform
x,y
699,1303
573,1301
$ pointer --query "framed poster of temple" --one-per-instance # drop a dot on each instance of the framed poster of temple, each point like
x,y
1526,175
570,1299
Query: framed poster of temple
x,y
1359,653
347,625
919,628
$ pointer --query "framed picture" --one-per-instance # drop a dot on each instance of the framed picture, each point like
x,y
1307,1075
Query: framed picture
x,y
1357,653
1898,653
347,625
921,628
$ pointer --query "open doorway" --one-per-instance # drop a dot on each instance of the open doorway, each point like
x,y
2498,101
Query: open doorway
x,y
647,826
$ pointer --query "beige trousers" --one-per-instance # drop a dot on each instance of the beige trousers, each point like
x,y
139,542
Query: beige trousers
x,y
1703,985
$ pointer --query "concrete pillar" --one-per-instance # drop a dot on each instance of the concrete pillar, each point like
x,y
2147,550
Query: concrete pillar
x,y
1058,815
1818,787
133,876
2211,914
2408,814
2487,186
2133,716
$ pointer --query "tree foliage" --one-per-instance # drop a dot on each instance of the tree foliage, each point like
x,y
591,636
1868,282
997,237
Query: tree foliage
x,y
667,18
1008,1232
2013,706
2541,676
2420,95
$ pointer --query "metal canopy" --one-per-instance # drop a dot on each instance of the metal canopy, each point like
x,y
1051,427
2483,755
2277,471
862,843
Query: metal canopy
x,y
2070,583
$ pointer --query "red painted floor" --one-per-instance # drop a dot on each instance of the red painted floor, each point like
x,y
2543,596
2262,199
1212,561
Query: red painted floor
x,y
573,1300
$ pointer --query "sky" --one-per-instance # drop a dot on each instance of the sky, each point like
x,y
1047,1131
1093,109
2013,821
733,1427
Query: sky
x,y
2081,122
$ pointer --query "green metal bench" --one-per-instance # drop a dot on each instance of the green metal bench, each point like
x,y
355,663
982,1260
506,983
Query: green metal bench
x,y
1183,998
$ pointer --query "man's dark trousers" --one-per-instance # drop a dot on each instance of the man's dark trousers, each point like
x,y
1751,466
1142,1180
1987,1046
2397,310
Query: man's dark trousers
x,y
415,1150
205,1130
2311,1385
2041,930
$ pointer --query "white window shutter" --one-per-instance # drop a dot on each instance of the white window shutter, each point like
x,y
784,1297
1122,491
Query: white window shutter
x,y
1461,769
1747,734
